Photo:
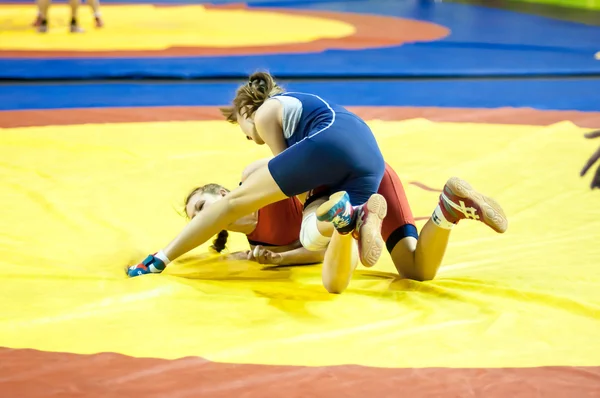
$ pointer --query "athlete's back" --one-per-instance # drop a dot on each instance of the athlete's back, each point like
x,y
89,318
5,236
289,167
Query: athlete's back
x,y
307,114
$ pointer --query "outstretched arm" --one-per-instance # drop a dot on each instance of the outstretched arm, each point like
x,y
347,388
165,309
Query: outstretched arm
x,y
258,191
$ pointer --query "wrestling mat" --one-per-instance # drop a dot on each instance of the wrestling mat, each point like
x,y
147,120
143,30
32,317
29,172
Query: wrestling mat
x,y
317,38
516,313
94,174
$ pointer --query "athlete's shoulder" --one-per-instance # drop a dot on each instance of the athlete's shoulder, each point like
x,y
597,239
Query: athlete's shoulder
x,y
270,106
313,99
297,94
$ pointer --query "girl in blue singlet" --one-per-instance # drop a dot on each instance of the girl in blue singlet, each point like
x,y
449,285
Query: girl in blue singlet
x,y
315,144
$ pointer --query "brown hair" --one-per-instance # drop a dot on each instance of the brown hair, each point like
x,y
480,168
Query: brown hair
x,y
221,240
250,96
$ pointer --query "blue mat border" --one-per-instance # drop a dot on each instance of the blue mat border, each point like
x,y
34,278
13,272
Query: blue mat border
x,y
549,94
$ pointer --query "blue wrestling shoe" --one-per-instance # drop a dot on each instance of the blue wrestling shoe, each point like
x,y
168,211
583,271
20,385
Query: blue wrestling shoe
x,y
151,265
339,211
363,221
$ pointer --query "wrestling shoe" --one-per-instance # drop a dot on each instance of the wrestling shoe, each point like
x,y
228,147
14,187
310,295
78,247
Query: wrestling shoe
x,y
76,28
151,265
42,26
364,220
460,201
37,22
368,229
339,211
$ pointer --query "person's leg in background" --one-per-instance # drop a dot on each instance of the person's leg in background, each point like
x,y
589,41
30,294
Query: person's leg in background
x,y
41,21
75,28
95,5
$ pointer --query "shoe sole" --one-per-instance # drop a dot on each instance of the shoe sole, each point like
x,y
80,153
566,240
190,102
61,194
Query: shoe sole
x,y
371,242
493,214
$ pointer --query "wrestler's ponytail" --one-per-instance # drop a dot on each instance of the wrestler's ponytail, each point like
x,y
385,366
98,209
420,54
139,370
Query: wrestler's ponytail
x,y
220,241
250,96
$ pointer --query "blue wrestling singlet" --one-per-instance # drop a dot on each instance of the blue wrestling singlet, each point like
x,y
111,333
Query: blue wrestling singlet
x,y
327,146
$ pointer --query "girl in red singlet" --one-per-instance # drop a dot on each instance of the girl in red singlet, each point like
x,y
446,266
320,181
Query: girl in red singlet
x,y
273,231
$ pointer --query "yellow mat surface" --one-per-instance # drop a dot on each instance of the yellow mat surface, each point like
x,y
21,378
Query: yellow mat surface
x,y
150,27
78,203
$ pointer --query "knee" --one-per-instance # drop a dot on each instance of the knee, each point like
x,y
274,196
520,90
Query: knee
x,y
310,237
420,277
334,286
409,269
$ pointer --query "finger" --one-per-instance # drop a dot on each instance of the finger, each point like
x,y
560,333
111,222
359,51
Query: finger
x,y
261,259
590,162
272,257
266,257
259,254
592,134
257,250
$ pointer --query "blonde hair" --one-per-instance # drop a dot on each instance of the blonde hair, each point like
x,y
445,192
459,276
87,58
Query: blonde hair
x,y
250,96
